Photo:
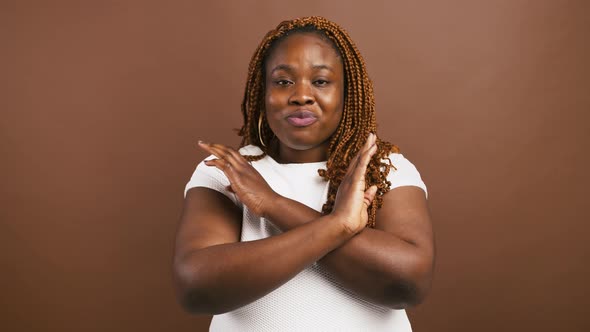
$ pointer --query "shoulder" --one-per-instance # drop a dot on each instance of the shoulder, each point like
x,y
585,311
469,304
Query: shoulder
x,y
404,173
210,177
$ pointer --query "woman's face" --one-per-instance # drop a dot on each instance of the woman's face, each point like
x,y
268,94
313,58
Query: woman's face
x,y
304,96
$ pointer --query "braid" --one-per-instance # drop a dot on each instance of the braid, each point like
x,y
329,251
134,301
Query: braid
x,y
358,118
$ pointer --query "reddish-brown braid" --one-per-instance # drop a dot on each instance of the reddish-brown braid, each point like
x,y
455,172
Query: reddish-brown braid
x,y
358,119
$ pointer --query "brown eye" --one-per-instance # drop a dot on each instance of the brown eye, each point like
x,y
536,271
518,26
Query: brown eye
x,y
321,82
282,82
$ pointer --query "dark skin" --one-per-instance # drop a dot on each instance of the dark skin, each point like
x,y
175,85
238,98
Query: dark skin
x,y
390,265
304,72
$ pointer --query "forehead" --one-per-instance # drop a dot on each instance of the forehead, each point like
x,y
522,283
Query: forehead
x,y
304,49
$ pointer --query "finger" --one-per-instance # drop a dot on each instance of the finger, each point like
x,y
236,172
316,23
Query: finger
x,y
206,146
363,162
222,152
230,154
227,169
237,156
355,160
220,164
218,150
369,142
352,164
370,195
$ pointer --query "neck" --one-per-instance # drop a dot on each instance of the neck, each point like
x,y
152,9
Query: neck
x,y
286,155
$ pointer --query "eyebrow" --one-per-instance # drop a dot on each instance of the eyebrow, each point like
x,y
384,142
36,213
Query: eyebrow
x,y
322,67
289,68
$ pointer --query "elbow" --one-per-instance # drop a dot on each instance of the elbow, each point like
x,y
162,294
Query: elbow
x,y
195,302
410,290
192,301
191,291
404,295
189,302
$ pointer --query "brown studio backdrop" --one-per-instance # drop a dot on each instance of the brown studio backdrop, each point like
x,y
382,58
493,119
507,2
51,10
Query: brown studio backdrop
x,y
102,104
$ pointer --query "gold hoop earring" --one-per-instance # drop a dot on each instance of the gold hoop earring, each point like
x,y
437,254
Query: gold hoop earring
x,y
259,130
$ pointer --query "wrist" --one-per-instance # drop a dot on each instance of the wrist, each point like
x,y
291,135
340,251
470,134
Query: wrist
x,y
342,226
273,203
348,226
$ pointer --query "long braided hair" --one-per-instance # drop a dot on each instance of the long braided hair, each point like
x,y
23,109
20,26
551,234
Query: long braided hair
x,y
358,118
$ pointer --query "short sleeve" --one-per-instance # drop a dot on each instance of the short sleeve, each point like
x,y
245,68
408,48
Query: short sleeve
x,y
404,173
210,177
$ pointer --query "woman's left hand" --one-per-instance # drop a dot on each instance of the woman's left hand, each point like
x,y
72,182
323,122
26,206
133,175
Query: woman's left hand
x,y
352,199
245,181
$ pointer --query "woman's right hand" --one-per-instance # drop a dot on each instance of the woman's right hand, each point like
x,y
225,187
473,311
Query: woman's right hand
x,y
245,181
352,200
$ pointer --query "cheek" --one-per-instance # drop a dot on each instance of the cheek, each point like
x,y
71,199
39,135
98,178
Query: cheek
x,y
334,109
272,100
335,94
333,103
271,106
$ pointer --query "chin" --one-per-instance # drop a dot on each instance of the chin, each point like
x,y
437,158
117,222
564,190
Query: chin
x,y
302,144
299,141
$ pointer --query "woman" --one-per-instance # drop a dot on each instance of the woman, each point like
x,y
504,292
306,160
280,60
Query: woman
x,y
315,223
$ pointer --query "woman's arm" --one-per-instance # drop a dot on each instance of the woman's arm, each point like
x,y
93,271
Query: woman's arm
x,y
390,265
215,273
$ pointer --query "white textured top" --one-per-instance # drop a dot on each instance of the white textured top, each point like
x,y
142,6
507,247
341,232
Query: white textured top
x,y
312,300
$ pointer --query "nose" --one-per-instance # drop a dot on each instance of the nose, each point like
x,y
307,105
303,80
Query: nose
x,y
302,95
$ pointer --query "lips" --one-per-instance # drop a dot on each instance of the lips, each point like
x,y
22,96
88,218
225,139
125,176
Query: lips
x,y
302,118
